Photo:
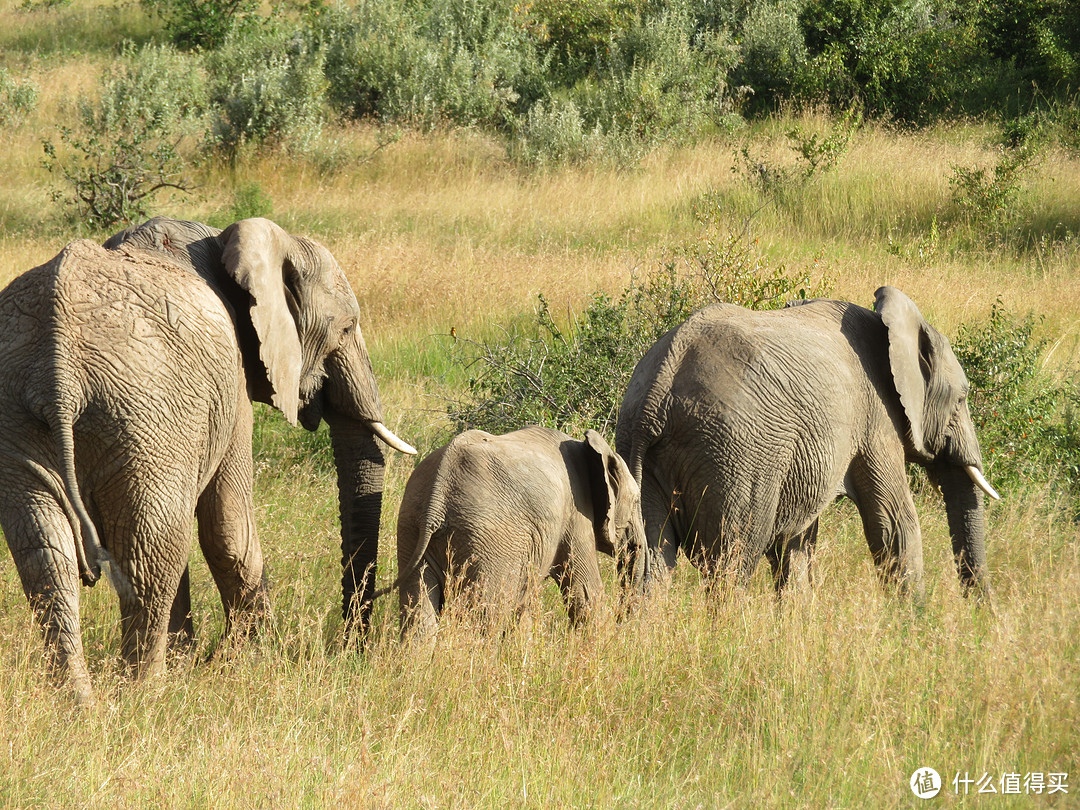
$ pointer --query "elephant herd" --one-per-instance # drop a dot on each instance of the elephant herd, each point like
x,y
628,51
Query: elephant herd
x,y
128,372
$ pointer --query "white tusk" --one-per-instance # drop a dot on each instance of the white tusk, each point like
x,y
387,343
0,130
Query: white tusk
x,y
975,475
384,433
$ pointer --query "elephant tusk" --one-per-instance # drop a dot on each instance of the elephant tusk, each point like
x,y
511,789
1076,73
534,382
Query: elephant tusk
x,y
976,475
384,433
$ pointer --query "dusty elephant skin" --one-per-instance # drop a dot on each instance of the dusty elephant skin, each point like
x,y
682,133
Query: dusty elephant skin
x,y
497,510
742,426
128,377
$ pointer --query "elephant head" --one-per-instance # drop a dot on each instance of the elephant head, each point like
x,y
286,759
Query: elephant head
x,y
297,325
941,436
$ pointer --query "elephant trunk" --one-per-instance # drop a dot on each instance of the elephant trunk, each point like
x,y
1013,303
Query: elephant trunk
x,y
360,472
967,526
632,561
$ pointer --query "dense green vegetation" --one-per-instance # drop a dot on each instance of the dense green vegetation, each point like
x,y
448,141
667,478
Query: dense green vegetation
x,y
558,80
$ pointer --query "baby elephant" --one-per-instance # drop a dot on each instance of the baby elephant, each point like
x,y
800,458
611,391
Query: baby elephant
x,y
498,510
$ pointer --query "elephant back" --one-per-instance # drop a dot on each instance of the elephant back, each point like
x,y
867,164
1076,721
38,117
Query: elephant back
x,y
194,245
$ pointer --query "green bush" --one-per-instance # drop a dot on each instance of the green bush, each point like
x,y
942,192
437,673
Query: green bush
x,y
814,153
574,378
576,35
127,146
772,51
17,99
658,81
268,87
249,200
988,197
555,132
910,59
155,87
426,62
1040,38
202,24
1027,420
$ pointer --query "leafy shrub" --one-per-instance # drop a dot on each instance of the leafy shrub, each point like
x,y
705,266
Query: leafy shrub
x,y
1067,121
814,154
576,34
249,200
126,147
658,81
573,378
988,197
1027,422
202,24
267,87
1040,37
430,61
911,59
772,51
17,99
556,132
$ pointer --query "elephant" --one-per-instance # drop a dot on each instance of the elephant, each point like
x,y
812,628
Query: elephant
x,y
741,426
128,372
499,510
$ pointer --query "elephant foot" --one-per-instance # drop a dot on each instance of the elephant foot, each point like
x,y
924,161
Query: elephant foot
x,y
83,692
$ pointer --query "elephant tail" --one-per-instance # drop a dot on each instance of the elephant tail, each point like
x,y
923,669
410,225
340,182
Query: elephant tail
x,y
91,555
643,429
433,518
643,415
61,389
413,564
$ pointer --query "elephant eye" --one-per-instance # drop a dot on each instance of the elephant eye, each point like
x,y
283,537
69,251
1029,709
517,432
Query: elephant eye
x,y
347,332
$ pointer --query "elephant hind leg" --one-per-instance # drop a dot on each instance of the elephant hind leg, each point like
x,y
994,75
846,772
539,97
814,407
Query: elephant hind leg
x,y
420,600
155,578
660,510
181,625
42,545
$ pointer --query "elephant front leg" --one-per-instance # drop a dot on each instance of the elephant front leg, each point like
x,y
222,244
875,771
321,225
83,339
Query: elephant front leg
x,y
890,522
579,581
228,537
791,560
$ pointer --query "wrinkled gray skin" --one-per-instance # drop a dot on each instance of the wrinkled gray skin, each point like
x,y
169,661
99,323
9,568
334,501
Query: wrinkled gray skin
x,y
742,426
125,401
534,503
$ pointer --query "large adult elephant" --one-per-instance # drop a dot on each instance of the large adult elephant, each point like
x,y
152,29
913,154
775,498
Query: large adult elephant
x,y
126,380
742,426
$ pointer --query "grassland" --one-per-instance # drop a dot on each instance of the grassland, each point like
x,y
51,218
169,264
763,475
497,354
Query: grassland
x,y
701,700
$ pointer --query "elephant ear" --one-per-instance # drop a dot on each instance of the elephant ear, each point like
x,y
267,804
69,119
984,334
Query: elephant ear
x,y
603,480
926,373
257,256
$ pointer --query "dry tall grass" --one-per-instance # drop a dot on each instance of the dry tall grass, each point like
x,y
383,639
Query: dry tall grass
x,y
703,699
